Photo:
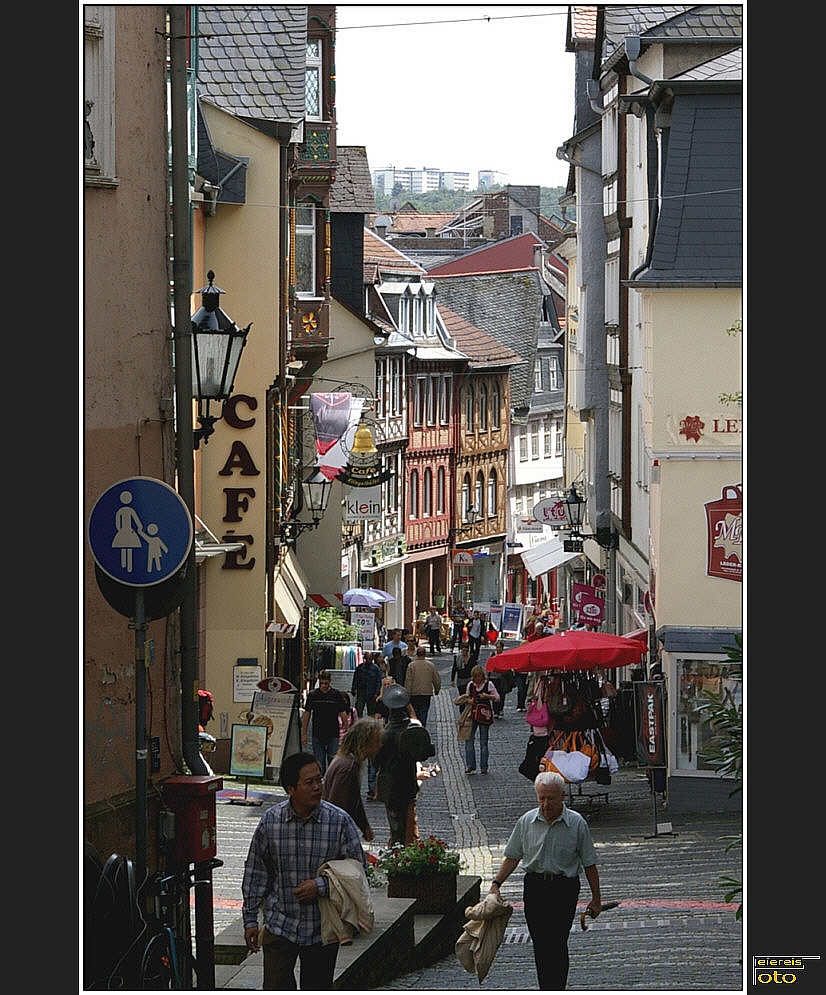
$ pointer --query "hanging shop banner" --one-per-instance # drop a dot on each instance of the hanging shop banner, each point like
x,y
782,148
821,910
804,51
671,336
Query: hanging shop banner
x,y
588,606
649,712
724,519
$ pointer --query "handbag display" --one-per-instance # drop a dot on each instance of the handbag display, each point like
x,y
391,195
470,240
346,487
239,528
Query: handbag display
x,y
537,714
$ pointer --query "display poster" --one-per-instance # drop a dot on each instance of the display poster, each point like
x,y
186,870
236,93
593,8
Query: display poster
x,y
511,627
245,677
366,622
248,753
275,712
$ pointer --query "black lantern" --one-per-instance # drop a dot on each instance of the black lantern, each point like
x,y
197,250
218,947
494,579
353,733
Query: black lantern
x,y
217,343
574,509
316,490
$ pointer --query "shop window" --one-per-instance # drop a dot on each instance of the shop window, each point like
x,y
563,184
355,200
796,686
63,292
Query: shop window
x,y
695,676
99,92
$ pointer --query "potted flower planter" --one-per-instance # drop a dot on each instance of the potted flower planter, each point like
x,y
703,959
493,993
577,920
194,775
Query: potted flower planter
x,y
434,893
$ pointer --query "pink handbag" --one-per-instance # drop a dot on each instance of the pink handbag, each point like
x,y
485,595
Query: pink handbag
x,y
537,714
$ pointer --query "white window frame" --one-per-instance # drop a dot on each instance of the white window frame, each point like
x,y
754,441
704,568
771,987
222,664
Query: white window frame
x,y
445,399
492,503
413,495
427,493
305,232
496,407
99,91
483,407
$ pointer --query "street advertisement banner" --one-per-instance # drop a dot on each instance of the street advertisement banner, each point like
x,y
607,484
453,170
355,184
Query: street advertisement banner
x,y
724,522
649,712
511,627
587,605
366,622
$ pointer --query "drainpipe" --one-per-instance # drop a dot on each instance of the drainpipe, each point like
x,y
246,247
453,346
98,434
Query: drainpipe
x,y
181,266
632,51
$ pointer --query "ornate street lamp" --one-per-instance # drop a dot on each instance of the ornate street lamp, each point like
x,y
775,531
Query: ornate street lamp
x,y
217,343
316,489
574,513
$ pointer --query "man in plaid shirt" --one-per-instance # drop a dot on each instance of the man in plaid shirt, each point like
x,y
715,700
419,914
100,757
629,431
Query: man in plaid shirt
x,y
291,842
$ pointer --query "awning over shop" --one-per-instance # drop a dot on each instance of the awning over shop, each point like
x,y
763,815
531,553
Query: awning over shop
x,y
290,589
330,600
545,556
207,543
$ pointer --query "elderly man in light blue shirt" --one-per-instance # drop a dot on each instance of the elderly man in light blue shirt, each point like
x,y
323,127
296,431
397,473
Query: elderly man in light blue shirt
x,y
554,843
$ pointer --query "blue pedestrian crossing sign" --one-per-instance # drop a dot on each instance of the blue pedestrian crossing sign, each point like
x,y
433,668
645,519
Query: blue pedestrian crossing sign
x,y
140,531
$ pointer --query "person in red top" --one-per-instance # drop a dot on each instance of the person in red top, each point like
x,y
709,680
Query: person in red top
x,y
537,632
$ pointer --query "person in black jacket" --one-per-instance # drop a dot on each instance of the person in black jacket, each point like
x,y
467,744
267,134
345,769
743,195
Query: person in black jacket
x,y
366,685
462,666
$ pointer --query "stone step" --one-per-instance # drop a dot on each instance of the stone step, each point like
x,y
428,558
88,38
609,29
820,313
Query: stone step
x,y
400,941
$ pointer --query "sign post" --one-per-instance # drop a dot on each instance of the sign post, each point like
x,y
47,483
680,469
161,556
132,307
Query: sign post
x,y
140,534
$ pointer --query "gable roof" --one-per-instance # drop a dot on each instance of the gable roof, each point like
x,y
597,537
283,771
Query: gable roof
x,y
482,350
251,61
514,253
508,307
381,257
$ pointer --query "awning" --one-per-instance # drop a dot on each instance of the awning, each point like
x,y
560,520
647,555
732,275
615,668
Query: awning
x,y
545,556
330,600
290,589
207,543
641,635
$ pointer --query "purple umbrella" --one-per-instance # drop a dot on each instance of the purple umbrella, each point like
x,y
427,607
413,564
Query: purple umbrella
x,y
366,597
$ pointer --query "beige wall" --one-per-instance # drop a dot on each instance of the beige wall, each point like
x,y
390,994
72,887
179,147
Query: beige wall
x,y
693,361
241,247
127,371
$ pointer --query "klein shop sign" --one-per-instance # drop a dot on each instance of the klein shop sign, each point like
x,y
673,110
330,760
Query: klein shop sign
x,y
363,504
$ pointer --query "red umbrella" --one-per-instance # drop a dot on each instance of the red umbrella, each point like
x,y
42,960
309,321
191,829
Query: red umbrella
x,y
574,649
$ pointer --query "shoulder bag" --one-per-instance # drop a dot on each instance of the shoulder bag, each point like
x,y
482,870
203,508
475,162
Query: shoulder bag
x,y
482,710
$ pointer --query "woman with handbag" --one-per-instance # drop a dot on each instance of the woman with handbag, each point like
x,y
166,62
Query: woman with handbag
x,y
541,722
482,695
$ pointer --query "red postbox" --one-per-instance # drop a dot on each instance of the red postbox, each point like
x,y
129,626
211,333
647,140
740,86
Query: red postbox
x,y
192,799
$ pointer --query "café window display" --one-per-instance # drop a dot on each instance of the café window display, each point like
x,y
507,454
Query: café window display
x,y
695,676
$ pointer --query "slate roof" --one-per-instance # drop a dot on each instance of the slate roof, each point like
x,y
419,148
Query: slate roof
x,y
668,23
352,189
698,239
483,351
251,61
507,306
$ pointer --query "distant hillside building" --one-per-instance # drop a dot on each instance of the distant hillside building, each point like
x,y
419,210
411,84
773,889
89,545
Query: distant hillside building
x,y
418,180
490,178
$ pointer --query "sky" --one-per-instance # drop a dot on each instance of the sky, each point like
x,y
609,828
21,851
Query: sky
x,y
492,90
